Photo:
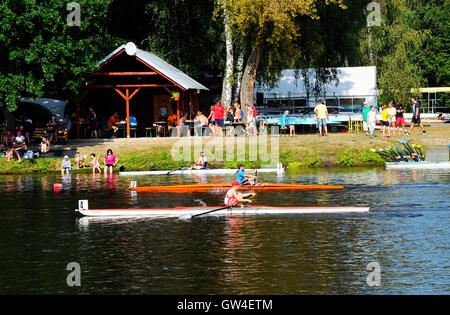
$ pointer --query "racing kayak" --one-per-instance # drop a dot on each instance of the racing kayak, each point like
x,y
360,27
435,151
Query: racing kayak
x,y
418,165
223,187
190,211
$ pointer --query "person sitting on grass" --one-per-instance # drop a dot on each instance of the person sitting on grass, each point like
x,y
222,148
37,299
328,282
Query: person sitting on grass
x,y
11,152
45,145
66,166
110,161
19,147
95,164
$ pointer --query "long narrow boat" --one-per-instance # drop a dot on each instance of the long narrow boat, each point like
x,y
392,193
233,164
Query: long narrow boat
x,y
224,187
252,210
279,171
418,165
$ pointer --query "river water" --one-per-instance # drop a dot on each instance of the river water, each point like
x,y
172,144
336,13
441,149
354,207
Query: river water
x,y
405,234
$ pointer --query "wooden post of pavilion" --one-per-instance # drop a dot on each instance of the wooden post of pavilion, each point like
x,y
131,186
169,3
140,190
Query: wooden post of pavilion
x,y
127,97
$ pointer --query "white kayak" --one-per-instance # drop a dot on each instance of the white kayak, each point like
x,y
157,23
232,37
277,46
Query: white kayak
x,y
278,170
418,165
192,211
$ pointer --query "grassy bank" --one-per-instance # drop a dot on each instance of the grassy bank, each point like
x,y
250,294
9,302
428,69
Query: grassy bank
x,y
304,151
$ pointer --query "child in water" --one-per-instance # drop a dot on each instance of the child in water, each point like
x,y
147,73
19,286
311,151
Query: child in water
x,y
66,166
95,164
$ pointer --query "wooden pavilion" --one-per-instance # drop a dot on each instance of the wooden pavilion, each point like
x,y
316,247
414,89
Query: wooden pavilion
x,y
145,82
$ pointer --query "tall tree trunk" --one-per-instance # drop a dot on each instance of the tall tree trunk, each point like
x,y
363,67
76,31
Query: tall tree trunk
x,y
239,69
249,77
227,87
9,118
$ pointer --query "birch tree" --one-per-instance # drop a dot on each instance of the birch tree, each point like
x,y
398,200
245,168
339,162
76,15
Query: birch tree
x,y
269,26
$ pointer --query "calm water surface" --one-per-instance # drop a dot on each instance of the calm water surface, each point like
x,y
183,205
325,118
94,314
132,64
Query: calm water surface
x,y
406,233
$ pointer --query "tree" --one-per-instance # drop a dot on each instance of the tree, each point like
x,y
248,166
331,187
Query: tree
x,y
271,29
185,34
434,55
42,55
391,45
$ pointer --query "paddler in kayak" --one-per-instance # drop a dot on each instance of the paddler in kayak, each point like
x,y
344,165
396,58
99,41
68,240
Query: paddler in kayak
x,y
201,163
245,179
234,198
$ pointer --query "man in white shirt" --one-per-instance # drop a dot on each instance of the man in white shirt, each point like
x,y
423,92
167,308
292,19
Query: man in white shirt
x,y
321,116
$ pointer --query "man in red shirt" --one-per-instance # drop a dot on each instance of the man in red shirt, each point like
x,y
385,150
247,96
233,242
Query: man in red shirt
x,y
113,120
219,114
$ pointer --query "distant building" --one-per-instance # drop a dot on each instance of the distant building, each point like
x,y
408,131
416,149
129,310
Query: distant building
x,y
354,86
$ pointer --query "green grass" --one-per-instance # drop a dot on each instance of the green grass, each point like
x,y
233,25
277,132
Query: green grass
x,y
301,152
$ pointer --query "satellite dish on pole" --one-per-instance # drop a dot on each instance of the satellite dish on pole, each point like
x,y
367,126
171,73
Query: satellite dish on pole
x,y
131,49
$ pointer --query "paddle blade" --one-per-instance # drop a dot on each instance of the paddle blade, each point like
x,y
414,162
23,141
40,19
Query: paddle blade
x,y
185,217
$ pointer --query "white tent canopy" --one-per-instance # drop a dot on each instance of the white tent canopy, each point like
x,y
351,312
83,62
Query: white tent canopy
x,y
353,83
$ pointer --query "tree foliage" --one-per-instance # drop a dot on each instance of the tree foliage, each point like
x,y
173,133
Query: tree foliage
x,y
41,54
270,28
184,33
391,44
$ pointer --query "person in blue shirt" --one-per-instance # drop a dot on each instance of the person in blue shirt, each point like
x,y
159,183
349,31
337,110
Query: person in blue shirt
x,y
285,124
243,178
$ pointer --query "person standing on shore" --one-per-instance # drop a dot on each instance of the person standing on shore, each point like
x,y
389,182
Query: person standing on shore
x,y
212,122
400,118
385,121
372,121
365,111
416,117
92,119
321,116
219,118
392,116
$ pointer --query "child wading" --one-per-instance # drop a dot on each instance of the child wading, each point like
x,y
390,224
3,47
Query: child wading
x,y
95,164
66,166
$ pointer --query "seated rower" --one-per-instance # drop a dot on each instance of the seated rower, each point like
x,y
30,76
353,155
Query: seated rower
x,y
243,178
201,164
233,198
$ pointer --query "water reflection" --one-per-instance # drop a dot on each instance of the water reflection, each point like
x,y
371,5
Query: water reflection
x,y
406,233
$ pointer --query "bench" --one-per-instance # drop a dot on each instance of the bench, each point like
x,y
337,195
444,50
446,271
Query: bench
x,y
39,133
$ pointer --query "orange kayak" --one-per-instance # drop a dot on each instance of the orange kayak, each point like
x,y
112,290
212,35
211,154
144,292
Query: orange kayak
x,y
224,187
